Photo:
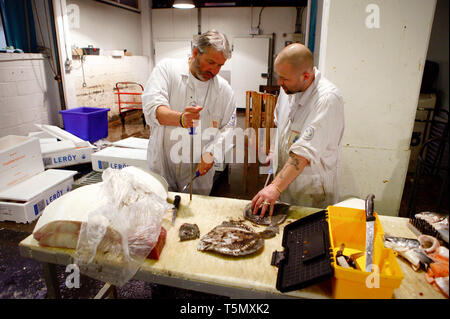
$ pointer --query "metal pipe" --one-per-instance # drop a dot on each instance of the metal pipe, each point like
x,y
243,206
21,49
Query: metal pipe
x,y
308,21
199,20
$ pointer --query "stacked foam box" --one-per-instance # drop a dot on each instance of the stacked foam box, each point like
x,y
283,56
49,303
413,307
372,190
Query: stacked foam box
x,y
25,188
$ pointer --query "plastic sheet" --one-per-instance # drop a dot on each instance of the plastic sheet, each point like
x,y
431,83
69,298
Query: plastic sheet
x,y
119,235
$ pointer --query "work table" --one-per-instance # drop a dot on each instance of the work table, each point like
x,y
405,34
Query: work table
x,y
182,265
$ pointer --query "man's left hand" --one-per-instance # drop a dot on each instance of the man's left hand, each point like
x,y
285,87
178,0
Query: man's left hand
x,y
266,197
206,163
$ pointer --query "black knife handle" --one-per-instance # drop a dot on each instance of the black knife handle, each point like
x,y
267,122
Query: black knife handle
x,y
369,208
177,200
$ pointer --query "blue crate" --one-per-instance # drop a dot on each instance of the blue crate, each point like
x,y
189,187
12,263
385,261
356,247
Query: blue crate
x,y
88,123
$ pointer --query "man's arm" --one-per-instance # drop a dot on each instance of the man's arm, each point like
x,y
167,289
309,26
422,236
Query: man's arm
x,y
293,167
169,117
291,170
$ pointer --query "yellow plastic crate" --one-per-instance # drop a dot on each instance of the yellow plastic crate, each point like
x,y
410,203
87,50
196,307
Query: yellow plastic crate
x,y
348,226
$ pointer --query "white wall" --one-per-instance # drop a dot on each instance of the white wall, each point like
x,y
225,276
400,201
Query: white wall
x,y
101,74
106,27
379,72
26,97
2,36
29,93
438,50
45,40
182,24
109,28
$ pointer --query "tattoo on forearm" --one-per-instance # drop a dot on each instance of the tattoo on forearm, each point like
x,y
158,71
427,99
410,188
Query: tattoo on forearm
x,y
294,161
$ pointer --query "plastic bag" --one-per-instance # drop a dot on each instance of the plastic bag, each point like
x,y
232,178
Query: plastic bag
x,y
119,235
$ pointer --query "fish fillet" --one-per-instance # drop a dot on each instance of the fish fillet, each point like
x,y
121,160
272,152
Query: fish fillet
x,y
60,223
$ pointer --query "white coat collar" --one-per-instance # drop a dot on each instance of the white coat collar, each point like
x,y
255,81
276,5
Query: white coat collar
x,y
304,96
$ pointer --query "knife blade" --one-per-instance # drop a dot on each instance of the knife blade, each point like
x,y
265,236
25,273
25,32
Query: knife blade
x,y
197,174
176,203
191,132
370,225
269,173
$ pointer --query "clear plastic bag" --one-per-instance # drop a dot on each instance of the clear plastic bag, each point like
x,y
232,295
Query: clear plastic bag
x,y
119,235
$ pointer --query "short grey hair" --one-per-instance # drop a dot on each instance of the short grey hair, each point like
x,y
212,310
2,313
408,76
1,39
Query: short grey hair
x,y
213,39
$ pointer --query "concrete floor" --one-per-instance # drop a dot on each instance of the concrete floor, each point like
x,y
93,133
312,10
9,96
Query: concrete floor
x,y
22,278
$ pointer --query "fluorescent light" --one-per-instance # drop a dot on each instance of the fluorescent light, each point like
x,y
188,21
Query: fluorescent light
x,y
183,4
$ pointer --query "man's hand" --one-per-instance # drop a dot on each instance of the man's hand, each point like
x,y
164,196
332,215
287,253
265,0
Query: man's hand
x,y
191,116
206,163
269,194
266,197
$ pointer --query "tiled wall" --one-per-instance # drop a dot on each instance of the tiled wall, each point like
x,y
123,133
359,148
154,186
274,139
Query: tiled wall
x,y
28,94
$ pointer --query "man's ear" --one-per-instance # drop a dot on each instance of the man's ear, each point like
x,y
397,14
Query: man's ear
x,y
307,75
195,53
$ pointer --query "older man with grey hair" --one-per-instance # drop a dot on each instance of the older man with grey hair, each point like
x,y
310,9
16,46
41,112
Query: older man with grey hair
x,y
185,94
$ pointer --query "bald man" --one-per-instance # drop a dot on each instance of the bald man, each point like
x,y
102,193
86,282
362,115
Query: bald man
x,y
309,116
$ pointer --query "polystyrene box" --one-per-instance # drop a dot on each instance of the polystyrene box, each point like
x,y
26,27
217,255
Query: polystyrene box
x,y
25,202
20,159
118,158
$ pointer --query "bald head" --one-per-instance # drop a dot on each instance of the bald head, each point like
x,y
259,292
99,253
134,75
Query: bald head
x,y
298,55
294,66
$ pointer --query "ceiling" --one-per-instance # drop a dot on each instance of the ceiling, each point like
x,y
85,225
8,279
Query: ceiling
x,y
163,4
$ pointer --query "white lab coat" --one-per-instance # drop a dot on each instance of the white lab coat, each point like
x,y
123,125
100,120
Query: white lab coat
x,y
172,84
311,124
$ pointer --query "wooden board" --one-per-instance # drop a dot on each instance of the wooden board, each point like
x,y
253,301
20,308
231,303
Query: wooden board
x,y
182,260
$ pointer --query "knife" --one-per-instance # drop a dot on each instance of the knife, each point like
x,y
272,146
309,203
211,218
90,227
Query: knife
x,y
197,174
269,173
370,225
191,132
176,203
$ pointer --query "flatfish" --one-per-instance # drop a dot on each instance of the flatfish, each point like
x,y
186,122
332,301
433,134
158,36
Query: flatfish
x,y
232,238
280,211
188,232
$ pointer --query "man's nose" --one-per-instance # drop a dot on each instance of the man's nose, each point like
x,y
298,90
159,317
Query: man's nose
x,y
280,82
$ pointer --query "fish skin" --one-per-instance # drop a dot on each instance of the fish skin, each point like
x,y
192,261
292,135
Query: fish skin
x,y
400,242
188,232
232,238
410,249
279,214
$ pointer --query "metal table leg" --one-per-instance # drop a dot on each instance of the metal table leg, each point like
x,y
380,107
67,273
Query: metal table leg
x,y
51,280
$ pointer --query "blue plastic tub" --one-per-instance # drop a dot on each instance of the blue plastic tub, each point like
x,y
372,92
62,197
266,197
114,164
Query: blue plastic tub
x,y
88,123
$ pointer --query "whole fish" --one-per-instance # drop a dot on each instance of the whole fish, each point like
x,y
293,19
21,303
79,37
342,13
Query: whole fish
x,y
410,249
279,214
232,238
